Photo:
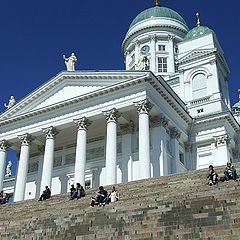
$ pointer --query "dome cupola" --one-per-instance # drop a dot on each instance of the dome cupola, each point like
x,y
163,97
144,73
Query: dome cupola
x,y
151,40
198,31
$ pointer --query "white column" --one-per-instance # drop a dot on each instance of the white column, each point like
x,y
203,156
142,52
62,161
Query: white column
x,y
153,66
137,52
175,135
126,131
80,161
48,159
171,60
25,140
4,145
143,108
111,146
127,60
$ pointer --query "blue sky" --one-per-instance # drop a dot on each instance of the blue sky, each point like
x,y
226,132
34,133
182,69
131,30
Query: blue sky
x,y
36,33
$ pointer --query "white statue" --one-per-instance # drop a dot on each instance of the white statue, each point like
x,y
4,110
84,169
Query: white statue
x,y
70,62
11,102
9,169
143,63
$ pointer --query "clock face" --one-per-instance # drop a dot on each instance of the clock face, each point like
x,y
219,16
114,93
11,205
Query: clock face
x,y
145,49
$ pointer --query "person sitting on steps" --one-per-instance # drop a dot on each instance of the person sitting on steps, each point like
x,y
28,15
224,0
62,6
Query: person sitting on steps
x,y
46,194
79,192
212,176
230,172
3,197
72,190
100,198
112,196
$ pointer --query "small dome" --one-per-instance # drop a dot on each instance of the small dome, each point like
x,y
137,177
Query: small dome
x,y
236,105
157,12
198,32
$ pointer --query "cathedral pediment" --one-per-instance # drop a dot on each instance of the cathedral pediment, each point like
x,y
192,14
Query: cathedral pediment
x,y
196,54
66,86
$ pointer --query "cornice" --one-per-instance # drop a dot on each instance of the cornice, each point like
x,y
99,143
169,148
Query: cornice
x,y
66,75
160,86
196,55
217,117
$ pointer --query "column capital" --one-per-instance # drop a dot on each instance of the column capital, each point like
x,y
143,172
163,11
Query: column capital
x,y
26,139
50,132
111,115
143,106
222,140
175,133
82,123
4,145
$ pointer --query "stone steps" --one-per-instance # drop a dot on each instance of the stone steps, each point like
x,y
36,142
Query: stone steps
x,y
180,206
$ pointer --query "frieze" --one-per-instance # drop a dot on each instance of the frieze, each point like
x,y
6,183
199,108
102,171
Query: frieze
x,y
127,128
157,121
95,153
175,133
32,167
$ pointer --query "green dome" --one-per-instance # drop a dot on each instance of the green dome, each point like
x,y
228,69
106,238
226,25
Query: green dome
x,y
198,32
236,105
157,12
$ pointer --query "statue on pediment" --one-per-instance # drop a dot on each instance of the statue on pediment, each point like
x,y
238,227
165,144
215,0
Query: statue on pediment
x,y
70,62
9,169
11,102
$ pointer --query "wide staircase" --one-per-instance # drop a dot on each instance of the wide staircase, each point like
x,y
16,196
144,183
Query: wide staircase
x,y
179,206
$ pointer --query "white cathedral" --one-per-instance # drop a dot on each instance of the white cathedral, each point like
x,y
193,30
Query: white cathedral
x,y
168,112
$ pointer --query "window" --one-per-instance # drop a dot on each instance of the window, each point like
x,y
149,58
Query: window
x,y
161,48
199,86
176,50
162,64
181,157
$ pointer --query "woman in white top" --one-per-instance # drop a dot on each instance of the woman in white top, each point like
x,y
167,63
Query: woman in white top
x,y
113,195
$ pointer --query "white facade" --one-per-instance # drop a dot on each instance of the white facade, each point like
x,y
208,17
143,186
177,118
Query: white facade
x,y
170,112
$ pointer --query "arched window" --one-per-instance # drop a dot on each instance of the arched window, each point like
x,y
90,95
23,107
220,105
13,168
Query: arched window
x,y
199,86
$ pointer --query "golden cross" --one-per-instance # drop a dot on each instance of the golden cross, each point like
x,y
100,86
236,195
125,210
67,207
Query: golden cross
x,y
157,2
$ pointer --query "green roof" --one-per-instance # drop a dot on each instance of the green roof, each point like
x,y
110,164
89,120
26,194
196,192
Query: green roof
x,y
236,105
198,32
157,12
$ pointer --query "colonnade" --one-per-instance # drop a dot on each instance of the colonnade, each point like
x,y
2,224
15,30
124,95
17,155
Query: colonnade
x,y
143,108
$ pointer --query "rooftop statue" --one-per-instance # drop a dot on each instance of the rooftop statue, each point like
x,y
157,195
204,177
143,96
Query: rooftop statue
x,y
143,63
9,169
11,102
70,62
